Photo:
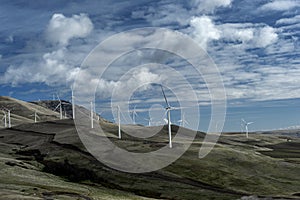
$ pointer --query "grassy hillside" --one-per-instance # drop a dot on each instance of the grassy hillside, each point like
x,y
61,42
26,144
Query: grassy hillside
x,y
23,112
48,160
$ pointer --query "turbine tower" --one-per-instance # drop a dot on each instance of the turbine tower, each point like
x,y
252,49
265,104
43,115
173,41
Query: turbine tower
x,y
91,115
36,117
245,124
119,123
134,114
9,121
168,109
73,104
4,119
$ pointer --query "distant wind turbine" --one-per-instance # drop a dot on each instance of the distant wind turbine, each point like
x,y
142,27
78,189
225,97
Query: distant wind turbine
x,y
60,108
9,121
73,104
134,114
245,124
4,118
149,119
36,117
92,115
183,121
119,123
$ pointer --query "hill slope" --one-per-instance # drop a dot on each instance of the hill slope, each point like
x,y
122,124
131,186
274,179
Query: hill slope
x,y
23,112
51,152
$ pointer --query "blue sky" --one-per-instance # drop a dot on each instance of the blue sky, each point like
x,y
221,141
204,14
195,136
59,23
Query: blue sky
x,y
254,43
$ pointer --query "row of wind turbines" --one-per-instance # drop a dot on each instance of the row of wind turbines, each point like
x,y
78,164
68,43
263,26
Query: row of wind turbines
x,y
7,119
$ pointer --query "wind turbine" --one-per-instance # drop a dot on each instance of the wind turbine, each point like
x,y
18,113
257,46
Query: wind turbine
x,y
4,118
119,122
73,104
9,122
168,110
183,121
35,116
60,108
134,114
149,119
92,115
245,124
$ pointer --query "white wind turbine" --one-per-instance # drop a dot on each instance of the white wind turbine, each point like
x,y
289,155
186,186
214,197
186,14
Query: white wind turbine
x,y
149,119
168,110
36,117
183,121
245,124
92,115
60,108
9,121
73,104
134,114
119,123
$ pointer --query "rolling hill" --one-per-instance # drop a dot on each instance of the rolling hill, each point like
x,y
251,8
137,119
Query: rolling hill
x,y
47,160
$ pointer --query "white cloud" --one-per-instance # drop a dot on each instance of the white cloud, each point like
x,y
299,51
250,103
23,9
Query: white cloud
x,y
251,35
209,6
281,5
61,29
293,20
248,35
237,32
265,36
52,69
204,30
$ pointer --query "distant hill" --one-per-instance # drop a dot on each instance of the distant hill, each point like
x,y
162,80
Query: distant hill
x,y
66,108
52,104
23,112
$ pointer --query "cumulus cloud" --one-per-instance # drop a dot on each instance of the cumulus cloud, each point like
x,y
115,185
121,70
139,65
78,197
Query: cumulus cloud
x,y
52,69
265,36
237,32
61,29
281,5
209,6
204,30
250,35
287,21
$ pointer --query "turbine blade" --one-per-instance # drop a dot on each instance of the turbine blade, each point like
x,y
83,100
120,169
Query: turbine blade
x,y
58,98
243,121
168,105
56,107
